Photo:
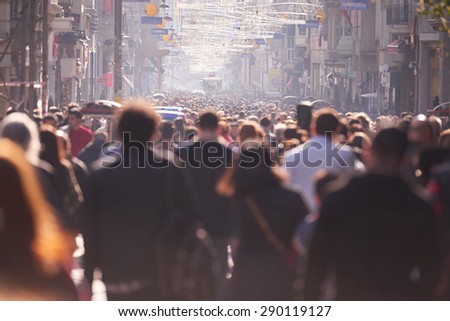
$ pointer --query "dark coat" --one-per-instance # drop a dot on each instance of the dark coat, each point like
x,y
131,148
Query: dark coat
x,y
47,180
378,236
206,161
91,152
125,208
260,271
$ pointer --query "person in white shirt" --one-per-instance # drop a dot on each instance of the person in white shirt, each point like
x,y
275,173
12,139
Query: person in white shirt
x,y
321,151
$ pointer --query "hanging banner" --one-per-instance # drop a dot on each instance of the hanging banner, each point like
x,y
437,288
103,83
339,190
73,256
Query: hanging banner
x,y
354,4
146,20
311,24
160,31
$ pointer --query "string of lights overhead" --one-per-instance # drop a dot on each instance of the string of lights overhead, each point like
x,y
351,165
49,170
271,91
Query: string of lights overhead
x,y
213,31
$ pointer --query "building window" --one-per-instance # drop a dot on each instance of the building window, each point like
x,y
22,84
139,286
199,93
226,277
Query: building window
x,y
397,15
302,31
290,48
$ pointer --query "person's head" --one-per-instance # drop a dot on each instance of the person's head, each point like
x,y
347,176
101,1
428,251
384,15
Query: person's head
x,y
389,149
234,129
405,124
50,119
179,123
325,121
355,127
279,131
259,113
294,136
420,132
365,120
37,117
74,117
353,121
208,122
73,105
19,128
193,116
32,241
166,130
54,110
265,123
250,131
361,144
224,127
52,149
137,122
404,114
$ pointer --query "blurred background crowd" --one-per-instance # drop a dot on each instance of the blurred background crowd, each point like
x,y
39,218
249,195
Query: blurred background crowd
x,y
276,200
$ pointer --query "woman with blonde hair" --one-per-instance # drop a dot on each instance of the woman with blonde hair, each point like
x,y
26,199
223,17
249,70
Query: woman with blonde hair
x,y
35,250
250,131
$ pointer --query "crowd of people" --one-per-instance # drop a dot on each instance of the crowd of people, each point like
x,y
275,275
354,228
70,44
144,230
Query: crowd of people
x,y
277,202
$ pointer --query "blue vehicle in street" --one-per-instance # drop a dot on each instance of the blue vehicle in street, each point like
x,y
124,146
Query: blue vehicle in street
x,y
169,113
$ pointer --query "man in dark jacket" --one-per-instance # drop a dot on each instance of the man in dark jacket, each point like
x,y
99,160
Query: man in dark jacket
x,y
93,151
376,234
206,159
128,201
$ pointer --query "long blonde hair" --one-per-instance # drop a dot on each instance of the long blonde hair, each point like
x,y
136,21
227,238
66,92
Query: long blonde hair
x,y
49,245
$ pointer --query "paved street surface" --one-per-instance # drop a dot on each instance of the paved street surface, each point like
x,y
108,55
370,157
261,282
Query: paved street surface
x,y
78,276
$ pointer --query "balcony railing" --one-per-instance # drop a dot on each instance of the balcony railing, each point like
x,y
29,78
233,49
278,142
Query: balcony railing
x,y
397,15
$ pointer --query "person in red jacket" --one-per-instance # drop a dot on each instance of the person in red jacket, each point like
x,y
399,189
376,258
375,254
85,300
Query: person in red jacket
x,y
79,135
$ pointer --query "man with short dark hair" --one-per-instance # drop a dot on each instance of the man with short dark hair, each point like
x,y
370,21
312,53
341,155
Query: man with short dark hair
x,y
79,135
50,119
166,129
207,159
129,200
208,122
269,137
322,151
376,234
164,144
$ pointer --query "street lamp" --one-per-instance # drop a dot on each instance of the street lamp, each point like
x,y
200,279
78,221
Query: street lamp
x,y
164,5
